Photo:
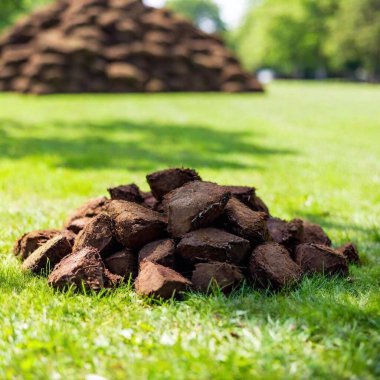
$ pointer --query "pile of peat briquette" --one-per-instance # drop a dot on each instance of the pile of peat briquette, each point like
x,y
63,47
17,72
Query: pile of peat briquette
x,y
184,234
73,46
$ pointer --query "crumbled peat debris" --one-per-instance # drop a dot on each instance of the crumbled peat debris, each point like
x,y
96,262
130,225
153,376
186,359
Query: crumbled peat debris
x,y
184,234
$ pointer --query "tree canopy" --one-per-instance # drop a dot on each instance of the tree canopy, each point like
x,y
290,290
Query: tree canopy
x,y
204,13
11,9
355,37
304,37
287,36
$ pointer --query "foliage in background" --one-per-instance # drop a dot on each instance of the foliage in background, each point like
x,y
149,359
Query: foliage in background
x,y
11,9
204,13
307,38
296,38
355,38
287,36
8,9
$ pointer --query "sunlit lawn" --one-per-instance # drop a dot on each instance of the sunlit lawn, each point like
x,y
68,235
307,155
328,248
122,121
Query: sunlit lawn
x,y
312,150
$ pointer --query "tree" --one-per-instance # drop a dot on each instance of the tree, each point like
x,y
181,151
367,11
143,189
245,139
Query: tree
x,y
8,9
301,37
355,38
11,9
287,36
204,13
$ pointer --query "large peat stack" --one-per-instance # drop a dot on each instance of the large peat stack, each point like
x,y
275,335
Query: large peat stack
x,y
74,46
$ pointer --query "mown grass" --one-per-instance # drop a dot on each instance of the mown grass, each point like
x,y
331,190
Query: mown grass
x,y
312,150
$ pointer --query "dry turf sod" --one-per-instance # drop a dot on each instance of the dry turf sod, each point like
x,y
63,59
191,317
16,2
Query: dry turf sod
x,y
312,150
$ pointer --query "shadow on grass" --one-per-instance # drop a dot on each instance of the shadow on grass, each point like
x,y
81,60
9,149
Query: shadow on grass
x,y
325,221
132,146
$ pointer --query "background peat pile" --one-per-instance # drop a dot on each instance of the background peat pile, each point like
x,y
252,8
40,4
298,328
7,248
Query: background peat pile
x,y
184,234
76,46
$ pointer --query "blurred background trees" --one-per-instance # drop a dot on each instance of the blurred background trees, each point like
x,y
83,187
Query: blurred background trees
x,y
354,43
8,9
204,13
11,9
312,38
288,37
294,38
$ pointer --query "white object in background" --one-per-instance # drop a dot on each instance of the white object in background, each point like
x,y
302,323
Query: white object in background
x,y
155,3
232,11
265,76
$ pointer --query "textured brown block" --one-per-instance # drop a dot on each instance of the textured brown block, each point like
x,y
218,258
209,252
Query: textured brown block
x,y
16,54
42,89
314,234
350,252
316,258
78,225
43,260
21,84
109,18
122,263
136,225
164,181
119,52
89,33
98,233
288,234
8,72
259,205
125,72
149,200
247,195
222,275
156,85
271,265
30,241
160,38
70,236
82,269
159,252
211,244
159,281
244,194
130,193
245,222
194,205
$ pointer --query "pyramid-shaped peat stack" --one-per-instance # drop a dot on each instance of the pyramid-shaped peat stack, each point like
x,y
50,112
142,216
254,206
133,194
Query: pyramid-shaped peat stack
x,y
74,46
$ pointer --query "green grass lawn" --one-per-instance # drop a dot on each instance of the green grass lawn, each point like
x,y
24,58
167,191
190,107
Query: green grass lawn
x,y
312,150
